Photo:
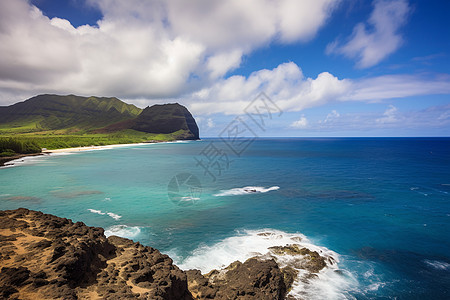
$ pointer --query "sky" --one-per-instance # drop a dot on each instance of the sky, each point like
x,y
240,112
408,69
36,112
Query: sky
x,y
331,67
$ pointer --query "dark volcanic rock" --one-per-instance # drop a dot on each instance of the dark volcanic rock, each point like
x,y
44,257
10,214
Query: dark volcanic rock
x,y
254,279
308,260
46,257
167,118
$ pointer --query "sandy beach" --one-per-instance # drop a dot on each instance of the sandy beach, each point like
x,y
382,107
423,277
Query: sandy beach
x,y
12,160
90,148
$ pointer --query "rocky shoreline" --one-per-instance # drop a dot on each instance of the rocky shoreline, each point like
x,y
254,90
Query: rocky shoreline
x,y
4,160
46,257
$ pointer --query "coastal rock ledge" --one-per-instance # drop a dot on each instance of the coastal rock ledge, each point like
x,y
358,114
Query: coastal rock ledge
x,y
46,257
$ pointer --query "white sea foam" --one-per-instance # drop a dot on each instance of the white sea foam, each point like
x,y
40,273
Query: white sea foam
x,y
439,265
24,160
114,216
95,211
173,142
246,190
61,153
329,283
99,212
188,198
124,231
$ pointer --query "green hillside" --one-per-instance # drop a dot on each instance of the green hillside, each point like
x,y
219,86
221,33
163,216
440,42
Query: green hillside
x,y
68,114
52,122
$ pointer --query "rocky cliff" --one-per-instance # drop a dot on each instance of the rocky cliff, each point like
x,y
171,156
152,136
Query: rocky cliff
x,y
47,257
167,118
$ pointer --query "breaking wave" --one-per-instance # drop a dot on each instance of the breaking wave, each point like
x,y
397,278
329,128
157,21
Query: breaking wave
x,y
246,190
124,231
329,283
99,212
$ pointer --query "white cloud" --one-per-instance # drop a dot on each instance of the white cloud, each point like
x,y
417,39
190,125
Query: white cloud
x,y
210,123
149,52
285,84
389,116
398,86
144,49
292,91
302,123
221,63
432,119
372,43
331,117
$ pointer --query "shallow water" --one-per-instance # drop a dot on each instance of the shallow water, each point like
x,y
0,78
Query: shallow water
x,y
381,206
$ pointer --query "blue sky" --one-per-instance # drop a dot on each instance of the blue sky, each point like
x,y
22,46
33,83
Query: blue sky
x,y
334,67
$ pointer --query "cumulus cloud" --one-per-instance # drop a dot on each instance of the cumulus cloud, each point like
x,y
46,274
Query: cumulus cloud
x,y
332,116
292,91
144,49
372,42
148,52
210,123
285,84
389,116
301,123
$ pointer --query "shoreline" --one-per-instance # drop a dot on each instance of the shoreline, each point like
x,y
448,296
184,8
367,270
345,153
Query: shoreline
x,y
6,161
89,264
91,148
9,160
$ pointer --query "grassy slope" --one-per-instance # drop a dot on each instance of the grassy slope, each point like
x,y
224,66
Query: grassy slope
x,y
56,122
59,141
68,114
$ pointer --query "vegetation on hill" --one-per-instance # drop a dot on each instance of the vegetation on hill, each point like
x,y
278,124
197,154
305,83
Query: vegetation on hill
x,y
53,122
51,142
167,118
13,146
67,114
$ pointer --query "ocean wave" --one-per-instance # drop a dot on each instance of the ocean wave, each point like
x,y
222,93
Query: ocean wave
x,y
23,161
330,282
95,211
124,231
246,190
114,216
438,265
61,153
176,142
99,212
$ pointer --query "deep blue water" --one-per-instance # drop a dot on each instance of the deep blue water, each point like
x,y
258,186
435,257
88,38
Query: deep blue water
x,y
383,204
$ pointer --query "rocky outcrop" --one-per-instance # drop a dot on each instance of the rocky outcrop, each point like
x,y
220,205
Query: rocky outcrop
x,y
303,258
256,278
47,257
167,118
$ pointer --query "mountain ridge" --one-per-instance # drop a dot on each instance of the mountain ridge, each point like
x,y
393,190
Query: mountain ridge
x,y
76,114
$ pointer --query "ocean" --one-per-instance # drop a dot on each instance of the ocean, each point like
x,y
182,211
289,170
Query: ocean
x,y
379,206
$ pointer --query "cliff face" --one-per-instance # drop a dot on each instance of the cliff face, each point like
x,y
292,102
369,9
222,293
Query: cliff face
x,y
167,118
46,257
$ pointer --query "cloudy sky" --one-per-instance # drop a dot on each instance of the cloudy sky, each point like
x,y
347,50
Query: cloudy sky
x,y
334,67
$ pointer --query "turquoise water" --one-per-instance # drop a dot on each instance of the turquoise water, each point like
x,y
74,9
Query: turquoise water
x,y
382,205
